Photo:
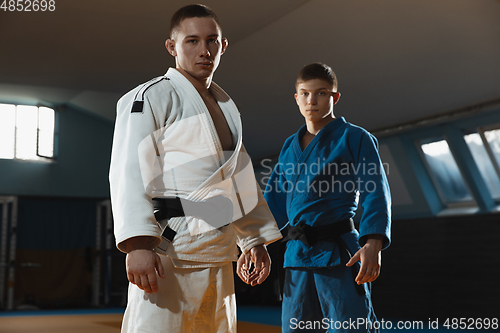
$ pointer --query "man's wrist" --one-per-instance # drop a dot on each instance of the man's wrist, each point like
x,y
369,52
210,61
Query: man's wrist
x,y
138,243
375,240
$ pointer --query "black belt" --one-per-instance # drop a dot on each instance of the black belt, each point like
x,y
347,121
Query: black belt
x,y
166,208
310,235
216,211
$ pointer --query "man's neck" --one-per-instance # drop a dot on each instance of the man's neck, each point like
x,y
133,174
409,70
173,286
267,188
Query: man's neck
x,y
201,87
314,127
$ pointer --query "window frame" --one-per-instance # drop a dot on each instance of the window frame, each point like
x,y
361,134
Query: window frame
x,y
53,134
471,203
481,130
39,156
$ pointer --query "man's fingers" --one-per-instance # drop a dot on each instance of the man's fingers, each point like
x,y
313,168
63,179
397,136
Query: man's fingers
x,y
239,272
362,273
254,277
142,269
262,265
159,267
247,264
136,279
354,259
259,275
145,284
242,275
374,275
153,282
265,268
258,263
148,283
239,263
264,273
243,262
360,277
367,274
242,267
372,272
369,258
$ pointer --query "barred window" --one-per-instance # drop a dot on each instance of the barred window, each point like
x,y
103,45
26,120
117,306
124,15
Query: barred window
x,y
27,132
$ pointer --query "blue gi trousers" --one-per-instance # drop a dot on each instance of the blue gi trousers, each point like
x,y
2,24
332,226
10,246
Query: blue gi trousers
x,y
325,300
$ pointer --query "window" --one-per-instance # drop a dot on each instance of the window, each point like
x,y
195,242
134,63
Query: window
x,y
493,139
444,171
26,132
476,143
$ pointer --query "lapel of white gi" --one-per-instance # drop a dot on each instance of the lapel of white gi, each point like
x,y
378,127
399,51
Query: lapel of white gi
x,y
232,116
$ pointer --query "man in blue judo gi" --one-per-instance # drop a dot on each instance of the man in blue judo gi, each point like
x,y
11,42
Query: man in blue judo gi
x,y
324,171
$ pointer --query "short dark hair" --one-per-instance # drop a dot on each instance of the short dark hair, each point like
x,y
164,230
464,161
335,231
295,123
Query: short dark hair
x,y
320,71
196,10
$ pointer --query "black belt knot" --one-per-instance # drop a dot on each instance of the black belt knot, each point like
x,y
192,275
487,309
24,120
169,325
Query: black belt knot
x,y
310,235
302,232
166,208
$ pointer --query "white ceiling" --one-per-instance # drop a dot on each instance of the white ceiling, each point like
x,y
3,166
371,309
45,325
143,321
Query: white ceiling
x,y
396,60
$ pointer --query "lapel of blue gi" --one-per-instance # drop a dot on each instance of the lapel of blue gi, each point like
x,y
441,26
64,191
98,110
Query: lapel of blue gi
x,y
301,156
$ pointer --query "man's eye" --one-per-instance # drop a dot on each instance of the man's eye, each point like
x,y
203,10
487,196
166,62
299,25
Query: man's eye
x,y
192,41
213,40
305,94
321,93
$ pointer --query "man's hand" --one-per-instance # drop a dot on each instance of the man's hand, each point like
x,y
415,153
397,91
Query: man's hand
x,y
143,264
260,257
370,259
142,267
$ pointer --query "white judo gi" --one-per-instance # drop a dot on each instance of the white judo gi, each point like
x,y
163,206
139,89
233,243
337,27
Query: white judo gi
x,y
165,145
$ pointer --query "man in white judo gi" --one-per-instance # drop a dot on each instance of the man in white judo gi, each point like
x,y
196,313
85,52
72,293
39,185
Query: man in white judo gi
x,y
183,186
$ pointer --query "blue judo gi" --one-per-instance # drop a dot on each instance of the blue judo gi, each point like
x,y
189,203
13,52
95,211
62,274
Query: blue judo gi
x,y
318,186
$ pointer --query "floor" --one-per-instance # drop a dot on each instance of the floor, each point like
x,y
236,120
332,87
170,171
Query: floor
x,y
251,319
94,321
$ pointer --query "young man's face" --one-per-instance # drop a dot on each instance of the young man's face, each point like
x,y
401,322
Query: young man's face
x,y
197,45
315,99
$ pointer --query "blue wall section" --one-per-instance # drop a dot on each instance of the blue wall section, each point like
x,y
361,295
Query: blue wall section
x,y
81,167
56,224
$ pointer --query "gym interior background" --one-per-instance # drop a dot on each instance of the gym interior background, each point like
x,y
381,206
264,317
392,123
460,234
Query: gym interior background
x,y
423,76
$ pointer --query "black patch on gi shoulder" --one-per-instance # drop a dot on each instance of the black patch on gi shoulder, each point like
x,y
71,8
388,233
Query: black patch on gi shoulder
x,y
137,106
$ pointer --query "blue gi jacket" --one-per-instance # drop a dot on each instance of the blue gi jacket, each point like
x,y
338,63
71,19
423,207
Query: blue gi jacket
x,y
321,184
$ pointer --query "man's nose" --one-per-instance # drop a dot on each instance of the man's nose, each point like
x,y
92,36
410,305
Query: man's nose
x,y
204,52
311,100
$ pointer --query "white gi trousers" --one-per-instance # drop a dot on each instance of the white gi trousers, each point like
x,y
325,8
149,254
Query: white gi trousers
x,y
189,300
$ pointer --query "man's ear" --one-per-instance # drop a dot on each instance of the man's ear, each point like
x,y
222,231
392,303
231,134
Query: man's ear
x,y
170,45
296,100
336,97
225,43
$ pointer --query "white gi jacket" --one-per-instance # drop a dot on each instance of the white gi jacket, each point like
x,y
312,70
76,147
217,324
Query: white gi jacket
x,y
168,147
